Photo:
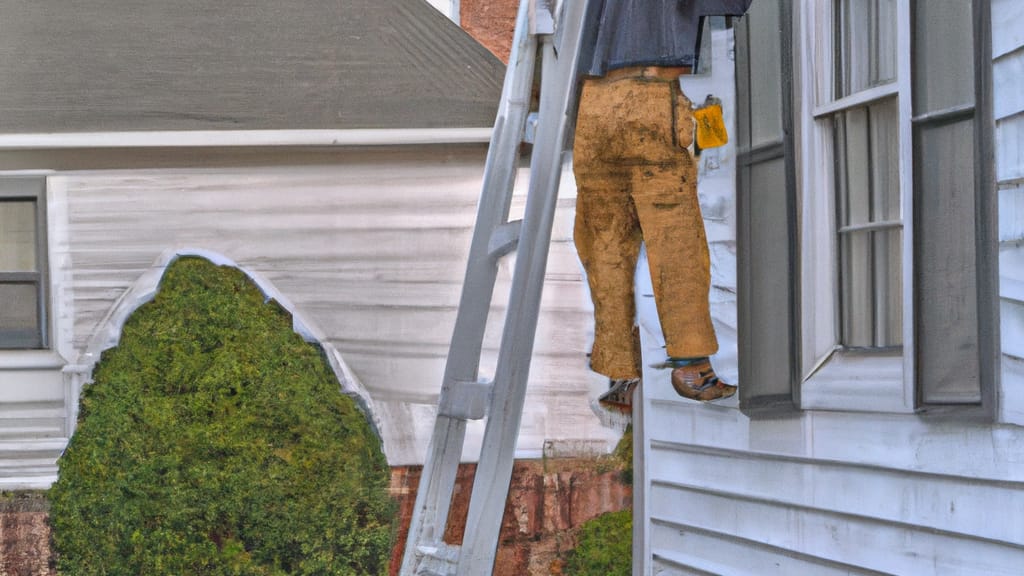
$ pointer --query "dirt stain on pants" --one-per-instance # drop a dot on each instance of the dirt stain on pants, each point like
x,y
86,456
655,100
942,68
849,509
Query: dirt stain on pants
x,y
637,182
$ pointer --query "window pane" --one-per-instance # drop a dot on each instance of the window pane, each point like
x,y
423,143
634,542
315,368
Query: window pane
x,y
19,316
871,287
865,44
888,287
856,294
868,205
853,167
884,152
18,236
867,171
943,55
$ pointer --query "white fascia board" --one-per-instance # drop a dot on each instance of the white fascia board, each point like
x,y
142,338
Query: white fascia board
x,y
255,138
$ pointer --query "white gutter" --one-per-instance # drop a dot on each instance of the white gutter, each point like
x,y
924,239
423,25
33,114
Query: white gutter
x,y
219,138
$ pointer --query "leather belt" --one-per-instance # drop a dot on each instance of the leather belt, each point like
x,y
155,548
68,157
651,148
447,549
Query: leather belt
x,y
663,73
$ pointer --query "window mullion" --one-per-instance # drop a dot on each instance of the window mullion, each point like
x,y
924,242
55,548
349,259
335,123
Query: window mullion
x,y
858,99
872,226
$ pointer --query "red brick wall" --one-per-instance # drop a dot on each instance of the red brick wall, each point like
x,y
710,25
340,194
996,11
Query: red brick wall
x,y
25,536
547,502
491,22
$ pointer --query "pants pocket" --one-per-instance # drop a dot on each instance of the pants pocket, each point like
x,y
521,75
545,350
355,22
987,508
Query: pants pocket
x,y
682,118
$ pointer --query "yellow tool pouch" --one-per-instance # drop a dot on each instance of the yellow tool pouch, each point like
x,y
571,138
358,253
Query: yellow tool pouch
x,y
711,131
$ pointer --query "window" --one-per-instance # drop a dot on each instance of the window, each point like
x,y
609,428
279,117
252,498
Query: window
x,y
23,295
854,252
881,163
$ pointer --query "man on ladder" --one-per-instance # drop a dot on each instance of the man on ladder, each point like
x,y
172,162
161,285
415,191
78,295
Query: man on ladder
x,y
637,181
643,189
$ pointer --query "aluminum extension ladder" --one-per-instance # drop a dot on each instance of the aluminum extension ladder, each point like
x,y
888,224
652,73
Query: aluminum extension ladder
x,y
550,29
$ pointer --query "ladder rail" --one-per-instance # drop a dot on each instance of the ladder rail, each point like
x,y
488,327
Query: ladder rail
x,y
462,397
437,480
494,470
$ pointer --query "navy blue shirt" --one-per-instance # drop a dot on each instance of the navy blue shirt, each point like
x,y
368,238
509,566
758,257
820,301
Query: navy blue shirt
x,y
623,33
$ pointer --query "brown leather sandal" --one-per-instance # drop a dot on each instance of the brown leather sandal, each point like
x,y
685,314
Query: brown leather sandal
x,y
698,381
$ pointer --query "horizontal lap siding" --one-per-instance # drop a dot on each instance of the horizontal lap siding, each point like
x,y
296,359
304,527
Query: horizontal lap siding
x,y
370,251
828,493
32,427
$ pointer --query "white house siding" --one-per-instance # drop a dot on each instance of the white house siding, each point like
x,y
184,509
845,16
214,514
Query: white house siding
x,y
32,424
370,250
830,493
1008,79
851,493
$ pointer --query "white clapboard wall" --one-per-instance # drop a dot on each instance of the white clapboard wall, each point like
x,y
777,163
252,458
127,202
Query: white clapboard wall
x,y
854,493
370,250
1008,81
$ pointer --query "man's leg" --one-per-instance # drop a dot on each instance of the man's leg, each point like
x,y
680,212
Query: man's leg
x,y
680,266
677,252
607,238
607,232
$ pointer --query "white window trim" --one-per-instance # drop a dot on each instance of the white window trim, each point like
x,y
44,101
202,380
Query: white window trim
x,y
833,379
55,355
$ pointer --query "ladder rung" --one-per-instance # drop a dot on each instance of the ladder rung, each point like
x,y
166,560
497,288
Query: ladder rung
x,y
437,559
504,239
542,21
466,400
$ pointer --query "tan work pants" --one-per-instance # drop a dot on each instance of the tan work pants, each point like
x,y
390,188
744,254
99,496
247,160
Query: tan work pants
x,y
637,181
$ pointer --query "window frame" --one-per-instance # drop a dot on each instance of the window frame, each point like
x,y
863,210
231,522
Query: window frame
x,y
32,188
831,376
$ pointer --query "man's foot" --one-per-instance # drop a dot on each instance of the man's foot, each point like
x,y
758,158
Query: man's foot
x,y
697,381
619,396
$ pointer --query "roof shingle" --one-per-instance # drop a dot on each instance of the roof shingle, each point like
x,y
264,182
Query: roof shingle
x,y
111,65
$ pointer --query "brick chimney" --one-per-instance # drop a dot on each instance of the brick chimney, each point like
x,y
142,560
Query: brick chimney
x,y
491,22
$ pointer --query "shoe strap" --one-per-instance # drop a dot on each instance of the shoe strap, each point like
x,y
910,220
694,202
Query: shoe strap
x,y
684,362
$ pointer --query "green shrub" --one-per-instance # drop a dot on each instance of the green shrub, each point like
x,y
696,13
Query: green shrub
x,y
604,548
216,441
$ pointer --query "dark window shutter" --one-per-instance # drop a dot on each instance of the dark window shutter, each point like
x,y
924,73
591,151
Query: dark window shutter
x,y
955,237
766,211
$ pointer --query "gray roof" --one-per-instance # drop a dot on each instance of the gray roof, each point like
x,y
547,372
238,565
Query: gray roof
x,y
121,65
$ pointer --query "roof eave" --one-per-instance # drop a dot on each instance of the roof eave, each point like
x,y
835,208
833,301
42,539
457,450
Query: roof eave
x,y
245,138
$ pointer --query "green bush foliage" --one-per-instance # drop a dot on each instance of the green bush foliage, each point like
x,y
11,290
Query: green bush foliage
x,y
216,441
604,548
